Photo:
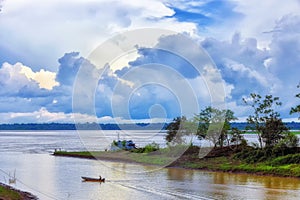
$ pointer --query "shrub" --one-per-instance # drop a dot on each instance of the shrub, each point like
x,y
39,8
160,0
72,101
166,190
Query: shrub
x,y
251,155
151,147
288,159
147,149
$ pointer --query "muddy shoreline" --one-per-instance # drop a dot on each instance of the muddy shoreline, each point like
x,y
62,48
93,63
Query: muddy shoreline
x,y
24,195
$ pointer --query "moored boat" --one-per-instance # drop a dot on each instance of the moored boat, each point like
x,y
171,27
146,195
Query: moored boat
x,y
101,180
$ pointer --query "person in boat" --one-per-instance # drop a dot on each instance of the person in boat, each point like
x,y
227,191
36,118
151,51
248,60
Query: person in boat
x,y
100,178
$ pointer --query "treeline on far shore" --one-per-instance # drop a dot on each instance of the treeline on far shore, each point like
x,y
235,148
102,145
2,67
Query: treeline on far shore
x,y
84,126
95,126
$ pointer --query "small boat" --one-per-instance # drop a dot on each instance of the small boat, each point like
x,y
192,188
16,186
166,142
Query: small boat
x,y
101,180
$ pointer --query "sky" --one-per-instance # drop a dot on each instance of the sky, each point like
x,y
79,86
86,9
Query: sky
x,y
48,72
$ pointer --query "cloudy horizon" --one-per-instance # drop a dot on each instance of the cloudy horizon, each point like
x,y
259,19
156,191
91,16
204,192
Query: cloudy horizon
x,y
44,44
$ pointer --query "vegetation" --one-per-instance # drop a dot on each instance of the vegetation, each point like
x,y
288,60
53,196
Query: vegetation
x,y
83,126
277,152
147,149
9,194
263,115
176,130
219,159
235,137
266,122
296,109
214,125
211,124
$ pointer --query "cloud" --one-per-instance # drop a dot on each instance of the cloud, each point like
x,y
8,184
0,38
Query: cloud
x,y
57,27
257,19
247,72
269,71
285,48
285,60
68,68
44,116
205,12
45,79
164,76
148,56
262,55
17,79
241,64
23,89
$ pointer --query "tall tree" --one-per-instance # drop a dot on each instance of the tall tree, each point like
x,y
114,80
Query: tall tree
x,y
296,109
214,124
176,130
273,131
265,121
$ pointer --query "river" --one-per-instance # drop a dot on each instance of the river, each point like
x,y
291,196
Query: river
x,y
49,177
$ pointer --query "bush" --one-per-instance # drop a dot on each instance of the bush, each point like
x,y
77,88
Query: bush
x,y
288,159
151,147
251,155
147,149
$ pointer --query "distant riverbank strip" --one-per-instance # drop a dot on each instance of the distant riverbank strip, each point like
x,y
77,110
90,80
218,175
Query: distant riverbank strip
x,y
9,193
225,159
293,126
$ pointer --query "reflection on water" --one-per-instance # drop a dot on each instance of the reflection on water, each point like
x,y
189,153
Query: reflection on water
x,y
52,177
181,175
263,181
219,185
60,178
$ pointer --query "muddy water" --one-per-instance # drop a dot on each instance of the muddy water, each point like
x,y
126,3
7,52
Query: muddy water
x,y
51,177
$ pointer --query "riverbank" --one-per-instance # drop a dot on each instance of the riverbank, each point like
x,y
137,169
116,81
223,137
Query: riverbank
x,y
10,193
217,160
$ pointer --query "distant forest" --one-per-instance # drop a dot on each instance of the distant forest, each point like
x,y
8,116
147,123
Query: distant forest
x,y
85,126
94,126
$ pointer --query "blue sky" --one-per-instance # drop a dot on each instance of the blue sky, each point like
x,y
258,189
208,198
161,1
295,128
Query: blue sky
x,y
43,45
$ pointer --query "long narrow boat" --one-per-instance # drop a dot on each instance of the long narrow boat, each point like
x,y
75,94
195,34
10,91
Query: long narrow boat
x,y
101,180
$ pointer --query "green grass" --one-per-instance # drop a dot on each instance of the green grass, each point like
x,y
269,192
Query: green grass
x,y
9,194
146,158
227,164
288,165
151,159
288,159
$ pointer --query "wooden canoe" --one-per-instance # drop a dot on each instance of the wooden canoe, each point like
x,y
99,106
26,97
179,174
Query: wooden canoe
x,y
101,180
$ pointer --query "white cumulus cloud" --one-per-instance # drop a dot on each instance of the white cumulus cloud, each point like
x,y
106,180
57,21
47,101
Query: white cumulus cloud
x,y
17,76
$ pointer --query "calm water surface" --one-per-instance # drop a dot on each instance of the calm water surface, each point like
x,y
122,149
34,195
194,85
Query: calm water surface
x,y
51,177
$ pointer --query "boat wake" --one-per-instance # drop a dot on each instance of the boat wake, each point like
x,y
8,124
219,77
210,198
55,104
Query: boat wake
x,y
164,193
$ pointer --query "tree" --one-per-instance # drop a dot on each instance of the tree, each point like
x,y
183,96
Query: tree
x,y
273,131
213,124
265,120
176,130
284,146
235,137
229,116
297,108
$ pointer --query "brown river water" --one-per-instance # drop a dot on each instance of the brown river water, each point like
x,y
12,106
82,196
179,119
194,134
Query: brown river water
x,y
49,177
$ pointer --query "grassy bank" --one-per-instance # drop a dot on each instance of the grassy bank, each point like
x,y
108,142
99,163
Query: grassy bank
x,y
9,193
220,159
120,156
227,164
